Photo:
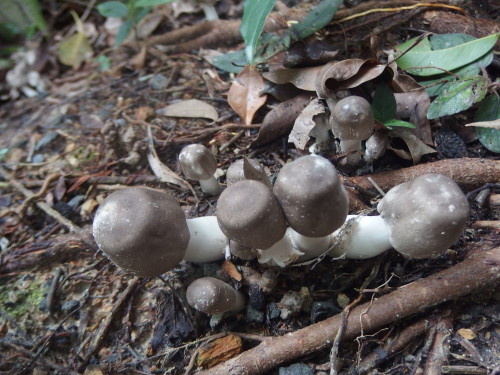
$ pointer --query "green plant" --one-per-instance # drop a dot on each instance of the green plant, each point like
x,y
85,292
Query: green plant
x,y
384,107
260,48
131,11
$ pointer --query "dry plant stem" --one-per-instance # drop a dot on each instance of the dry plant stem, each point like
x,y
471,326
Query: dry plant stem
x,y
440,347
98,337
466,370
41,205
380,355
480,269
467,172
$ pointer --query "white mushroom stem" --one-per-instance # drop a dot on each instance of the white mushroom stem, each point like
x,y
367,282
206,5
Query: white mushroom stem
x,y
360,237
211,186
207,242
352,148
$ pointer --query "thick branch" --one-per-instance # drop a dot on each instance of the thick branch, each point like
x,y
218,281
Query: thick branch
x,y
482,268
467,172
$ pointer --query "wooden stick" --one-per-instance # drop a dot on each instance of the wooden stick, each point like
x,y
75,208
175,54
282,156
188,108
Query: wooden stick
x,y
480,269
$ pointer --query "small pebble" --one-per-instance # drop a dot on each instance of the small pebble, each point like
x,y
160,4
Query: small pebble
x,y
254,315
158,82
296,369
321,310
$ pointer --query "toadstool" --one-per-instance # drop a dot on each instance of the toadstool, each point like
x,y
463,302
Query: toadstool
x,y
198,163
213,296
420,218
243,169
145,231
352,122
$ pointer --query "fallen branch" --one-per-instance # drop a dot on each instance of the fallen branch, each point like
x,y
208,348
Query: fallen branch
x,y
480,269
467,172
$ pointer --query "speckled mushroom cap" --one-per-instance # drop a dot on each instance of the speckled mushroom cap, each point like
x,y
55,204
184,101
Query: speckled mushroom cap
x,y
352,118
425,215
211,296
141,230
197,162
248,212
312,196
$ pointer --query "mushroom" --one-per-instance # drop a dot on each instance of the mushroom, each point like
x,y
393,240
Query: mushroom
x,y
213,296
198,163
249,213
145,231
314,202
424,216
352,122
420,218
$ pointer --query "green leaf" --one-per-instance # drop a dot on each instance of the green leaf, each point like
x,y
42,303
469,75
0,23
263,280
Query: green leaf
x,y
22,16
232,62
489,110
394,122
114,9
255,13
384,103
123,32
138,14
458,96
151,3
442,41
420,62
316,19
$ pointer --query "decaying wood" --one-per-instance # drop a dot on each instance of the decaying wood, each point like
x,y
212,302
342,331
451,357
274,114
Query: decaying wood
x,y
467,172
480,269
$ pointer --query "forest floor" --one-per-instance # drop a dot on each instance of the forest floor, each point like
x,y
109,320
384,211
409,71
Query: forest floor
x,y
66,309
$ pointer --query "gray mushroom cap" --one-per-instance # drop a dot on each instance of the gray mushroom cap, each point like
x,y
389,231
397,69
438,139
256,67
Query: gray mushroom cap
x,y
211,296
312,196
141,230
248,213
425,215
197,162
236,171
352,118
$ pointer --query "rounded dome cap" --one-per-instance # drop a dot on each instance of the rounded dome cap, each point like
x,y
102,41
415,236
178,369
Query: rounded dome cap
x,y
211,296
248,213
236,171
425,215
141,230
312,196
352,118
197,162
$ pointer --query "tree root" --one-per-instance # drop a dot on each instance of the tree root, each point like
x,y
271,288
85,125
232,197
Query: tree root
x,y
480,269
469,173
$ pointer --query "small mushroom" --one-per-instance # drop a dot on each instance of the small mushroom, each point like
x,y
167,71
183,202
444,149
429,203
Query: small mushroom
x,y
352,122
198,163
420,218
425,215
213,296
239,170
145,231
313,200
248,213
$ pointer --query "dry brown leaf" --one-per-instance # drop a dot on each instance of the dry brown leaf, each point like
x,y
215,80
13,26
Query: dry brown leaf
x,y
494,124
304,123
280,119
230,269
192,108
467,333
416,146
244,94
160,170
252,173
302,78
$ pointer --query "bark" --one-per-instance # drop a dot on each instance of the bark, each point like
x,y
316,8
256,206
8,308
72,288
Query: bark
x,y
481,269
467,172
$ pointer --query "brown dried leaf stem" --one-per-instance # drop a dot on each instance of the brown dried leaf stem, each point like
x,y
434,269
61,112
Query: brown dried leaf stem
x,y
480,269
467,172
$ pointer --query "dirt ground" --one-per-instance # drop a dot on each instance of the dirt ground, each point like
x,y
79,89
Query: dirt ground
x,y
66,309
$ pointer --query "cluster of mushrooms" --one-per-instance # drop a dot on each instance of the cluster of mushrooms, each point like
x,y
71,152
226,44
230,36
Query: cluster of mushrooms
x,y
303,216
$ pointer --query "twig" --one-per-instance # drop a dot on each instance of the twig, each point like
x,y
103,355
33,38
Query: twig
x,y
104,326
465,370
439,352
42,205
480,269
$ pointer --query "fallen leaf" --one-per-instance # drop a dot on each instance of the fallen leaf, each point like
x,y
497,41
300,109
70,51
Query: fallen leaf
x,y
302,78
252,173
467,333
192,108
76,49
160,170
304,123
416,146
244,95
280,119
230,269
413,106
494,124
